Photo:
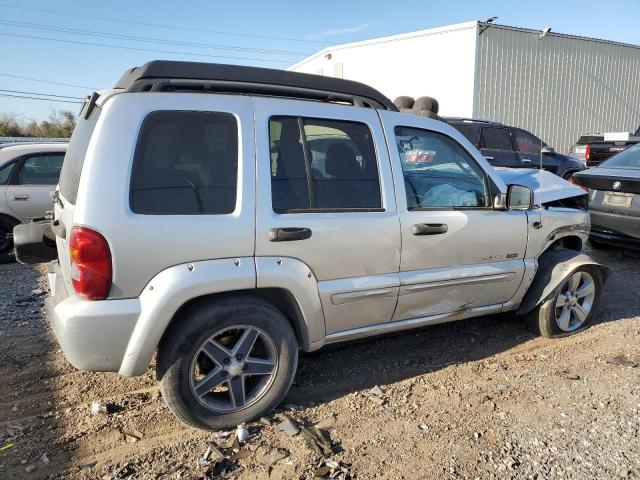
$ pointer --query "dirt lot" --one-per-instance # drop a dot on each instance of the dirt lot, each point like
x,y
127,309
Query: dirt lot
x,y
475,399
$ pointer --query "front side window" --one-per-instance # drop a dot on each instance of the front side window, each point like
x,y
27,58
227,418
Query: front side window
x,y
40,169
495,139
438,172
527,143
319,165
186,163
5,172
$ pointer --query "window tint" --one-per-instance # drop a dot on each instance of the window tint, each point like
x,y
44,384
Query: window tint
x,y
339,171
5,172
495,139
185,164
438,172
527,143
468,131
40,169
74,158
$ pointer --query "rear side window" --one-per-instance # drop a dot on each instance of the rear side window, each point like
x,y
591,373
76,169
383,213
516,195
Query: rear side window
x,y
526,142
40,170
320,165
186,163
469,131
495,139
74,158
5,172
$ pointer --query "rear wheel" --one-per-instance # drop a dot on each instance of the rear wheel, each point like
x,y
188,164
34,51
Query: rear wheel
x,y
6,240
227,362
573,306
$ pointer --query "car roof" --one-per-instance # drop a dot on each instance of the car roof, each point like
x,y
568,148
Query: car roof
x,y
12,150
171,76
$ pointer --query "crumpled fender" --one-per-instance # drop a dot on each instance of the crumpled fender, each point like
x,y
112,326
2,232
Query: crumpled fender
x,y
553,268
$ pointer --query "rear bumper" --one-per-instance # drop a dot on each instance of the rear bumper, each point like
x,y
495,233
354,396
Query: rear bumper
x,y
615,239
92,334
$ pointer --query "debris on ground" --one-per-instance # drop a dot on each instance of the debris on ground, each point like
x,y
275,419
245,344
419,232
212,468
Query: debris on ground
x,y
272,457
45,459
376,395
125,472
332,469
288,426
622,361
242,433
97,407
317,440
573,376
221,434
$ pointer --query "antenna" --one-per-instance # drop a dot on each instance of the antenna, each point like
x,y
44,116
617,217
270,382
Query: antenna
x,y
539,225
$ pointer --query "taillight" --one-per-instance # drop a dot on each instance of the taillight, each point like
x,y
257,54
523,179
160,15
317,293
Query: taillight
x,y
587,153
572,180
90,263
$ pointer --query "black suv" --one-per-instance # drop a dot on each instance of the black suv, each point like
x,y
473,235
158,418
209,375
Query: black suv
x,y
512,147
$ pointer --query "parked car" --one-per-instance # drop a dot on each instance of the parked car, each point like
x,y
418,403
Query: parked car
x,y
226,217
597,149
28,175
505,146
579,149
614,199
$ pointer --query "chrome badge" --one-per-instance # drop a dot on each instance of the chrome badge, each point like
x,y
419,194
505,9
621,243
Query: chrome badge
x,y
617,185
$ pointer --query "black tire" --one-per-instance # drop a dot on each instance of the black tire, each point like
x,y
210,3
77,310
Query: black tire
x,y
195,325
7,254
542,320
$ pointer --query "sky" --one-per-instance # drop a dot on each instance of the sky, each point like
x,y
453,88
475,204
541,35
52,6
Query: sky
x,y
70,44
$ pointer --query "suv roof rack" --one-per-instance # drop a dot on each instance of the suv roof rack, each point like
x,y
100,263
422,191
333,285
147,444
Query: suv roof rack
x,y
470,120
170,76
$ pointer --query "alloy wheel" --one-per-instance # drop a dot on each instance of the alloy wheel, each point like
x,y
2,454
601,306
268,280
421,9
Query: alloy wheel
x,y
575,301
233,368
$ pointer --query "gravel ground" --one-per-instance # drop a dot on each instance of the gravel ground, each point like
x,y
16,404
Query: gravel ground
x,y
479,399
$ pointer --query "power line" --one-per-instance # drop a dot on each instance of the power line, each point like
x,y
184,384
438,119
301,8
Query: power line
x,y
136,38
159,25
173,52
47,81
38,98
46,94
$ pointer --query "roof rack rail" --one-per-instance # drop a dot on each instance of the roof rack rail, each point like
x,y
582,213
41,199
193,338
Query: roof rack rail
x,y
170,76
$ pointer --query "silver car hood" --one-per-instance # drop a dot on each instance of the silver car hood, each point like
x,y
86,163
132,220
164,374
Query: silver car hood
x,y
546,186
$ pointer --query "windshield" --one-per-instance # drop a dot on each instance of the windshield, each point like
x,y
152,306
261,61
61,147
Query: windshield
x,y
629,158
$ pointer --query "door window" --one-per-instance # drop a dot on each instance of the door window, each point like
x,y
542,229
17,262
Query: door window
x,y
438,172
526,142
40,169
186,163
494,138
5,172
320,165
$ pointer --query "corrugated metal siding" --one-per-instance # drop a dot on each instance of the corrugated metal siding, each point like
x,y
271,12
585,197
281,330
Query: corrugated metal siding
x,y
557,87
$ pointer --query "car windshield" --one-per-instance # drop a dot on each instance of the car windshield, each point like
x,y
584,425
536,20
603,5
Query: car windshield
x,y
629,158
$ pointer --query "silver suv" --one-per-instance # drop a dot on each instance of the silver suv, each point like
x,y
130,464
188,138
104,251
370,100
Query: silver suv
x,y
225,217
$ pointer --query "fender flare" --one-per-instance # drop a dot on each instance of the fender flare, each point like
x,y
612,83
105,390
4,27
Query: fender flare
x,y
553,268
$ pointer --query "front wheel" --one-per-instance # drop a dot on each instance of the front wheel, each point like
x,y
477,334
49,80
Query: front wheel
x,y
226,362
573,306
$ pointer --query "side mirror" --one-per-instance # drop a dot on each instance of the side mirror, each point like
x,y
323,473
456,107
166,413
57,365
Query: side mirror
x,y
519,197
547,150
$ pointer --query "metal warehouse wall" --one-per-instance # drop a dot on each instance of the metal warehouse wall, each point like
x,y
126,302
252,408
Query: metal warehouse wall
x,y
558,86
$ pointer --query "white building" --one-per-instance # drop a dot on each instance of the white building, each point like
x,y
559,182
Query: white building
x,y
555,85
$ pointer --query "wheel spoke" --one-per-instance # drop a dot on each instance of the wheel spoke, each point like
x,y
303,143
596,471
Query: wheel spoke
x,y
236,391
210,381
587,288
216,352
245,344
580,312
258,366
560,301
574,282
564,318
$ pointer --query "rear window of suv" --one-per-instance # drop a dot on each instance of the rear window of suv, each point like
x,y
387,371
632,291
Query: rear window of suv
x,y
185,163
74,158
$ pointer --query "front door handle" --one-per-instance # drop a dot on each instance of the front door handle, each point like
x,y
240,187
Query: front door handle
x,y
488,158
526,160
289,234
21,196
429,228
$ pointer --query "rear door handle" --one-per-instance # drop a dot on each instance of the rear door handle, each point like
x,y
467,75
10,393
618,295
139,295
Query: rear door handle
x,y
21,196
526,160
429,228
289,234
489,158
